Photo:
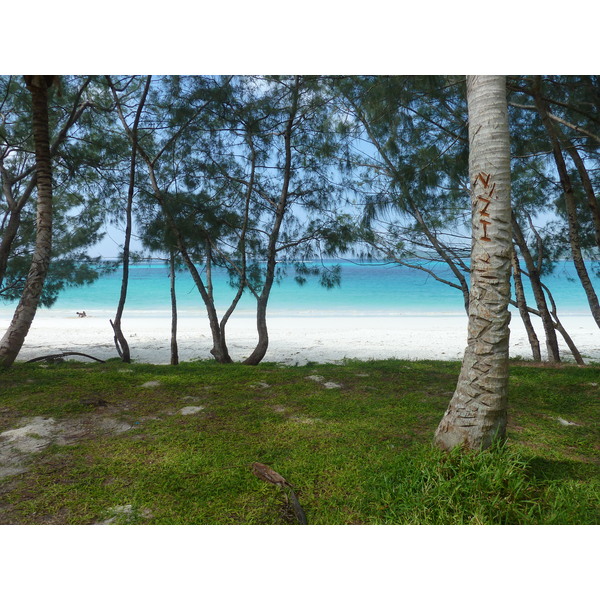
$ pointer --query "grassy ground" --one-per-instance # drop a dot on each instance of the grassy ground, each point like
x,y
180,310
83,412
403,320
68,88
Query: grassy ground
x,y
359,453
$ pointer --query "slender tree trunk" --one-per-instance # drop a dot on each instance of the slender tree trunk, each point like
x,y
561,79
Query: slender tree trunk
x,y
440,249
439,246
13,339
263,332
174,350
209,279
522,305
570,202
477,413
120,341
588,187
538,293
219,349
261,304
559,326
9,234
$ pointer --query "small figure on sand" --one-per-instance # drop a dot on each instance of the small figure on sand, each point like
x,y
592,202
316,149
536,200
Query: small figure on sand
x,y
81,314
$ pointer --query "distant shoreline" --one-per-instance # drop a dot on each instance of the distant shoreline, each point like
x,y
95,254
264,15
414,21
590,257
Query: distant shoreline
x,y
293,340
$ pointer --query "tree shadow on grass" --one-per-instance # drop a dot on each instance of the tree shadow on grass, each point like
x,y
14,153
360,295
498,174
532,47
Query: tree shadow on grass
x,y
556,470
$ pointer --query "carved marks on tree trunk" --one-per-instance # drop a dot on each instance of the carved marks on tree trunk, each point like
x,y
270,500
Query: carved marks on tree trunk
x,y
482,202
487,197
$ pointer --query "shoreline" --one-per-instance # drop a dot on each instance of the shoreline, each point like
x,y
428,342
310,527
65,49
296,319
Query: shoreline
x,y
292,339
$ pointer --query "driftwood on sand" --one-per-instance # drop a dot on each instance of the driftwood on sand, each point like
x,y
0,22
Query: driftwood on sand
x,y
61,355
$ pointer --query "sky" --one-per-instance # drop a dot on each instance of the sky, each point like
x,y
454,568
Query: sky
x,y
112,243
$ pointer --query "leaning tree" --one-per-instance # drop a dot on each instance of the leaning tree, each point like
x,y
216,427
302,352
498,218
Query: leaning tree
x,y
13,339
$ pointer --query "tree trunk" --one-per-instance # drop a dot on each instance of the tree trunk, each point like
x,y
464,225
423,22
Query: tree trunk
x,y
522,305
10,232
477,413
588,187
13,339
174,350
538,293
263,332
440,249
120,341
570,202
16,206
559,326
219,349
261,304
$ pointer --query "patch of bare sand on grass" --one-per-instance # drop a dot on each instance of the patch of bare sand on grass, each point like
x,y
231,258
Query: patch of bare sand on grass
x,y
18,446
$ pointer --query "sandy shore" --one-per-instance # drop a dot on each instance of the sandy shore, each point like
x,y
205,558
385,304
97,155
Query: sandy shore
x,y
293,340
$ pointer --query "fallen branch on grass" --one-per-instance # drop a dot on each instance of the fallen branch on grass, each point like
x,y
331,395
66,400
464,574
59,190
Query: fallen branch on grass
x,y
270,476
61,355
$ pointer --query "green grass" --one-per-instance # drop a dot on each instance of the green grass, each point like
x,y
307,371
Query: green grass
x,y
358,454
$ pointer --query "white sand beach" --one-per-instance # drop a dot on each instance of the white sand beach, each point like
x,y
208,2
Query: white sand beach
x,y
293,340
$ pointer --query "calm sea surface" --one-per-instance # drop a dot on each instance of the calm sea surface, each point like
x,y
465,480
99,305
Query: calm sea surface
x,y
366,289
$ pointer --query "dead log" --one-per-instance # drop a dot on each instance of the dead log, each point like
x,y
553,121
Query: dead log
x,y
61,355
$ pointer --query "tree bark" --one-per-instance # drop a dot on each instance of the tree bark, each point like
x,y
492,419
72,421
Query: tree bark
x,y
219,349
570,202
477,413
522,305
13,339
16,206
261,304
174,349
120,340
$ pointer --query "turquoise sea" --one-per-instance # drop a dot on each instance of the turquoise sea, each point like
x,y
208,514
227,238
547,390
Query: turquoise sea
x,y
366,289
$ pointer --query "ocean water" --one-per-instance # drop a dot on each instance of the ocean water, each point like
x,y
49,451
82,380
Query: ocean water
x,y
366,289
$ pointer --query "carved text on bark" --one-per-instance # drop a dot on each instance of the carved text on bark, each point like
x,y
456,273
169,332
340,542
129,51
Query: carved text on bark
x,y
486,197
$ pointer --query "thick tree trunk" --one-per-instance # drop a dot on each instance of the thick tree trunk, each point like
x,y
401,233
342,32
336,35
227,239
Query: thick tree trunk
x,y
16,206
13,339
522,305
538,293
570,202
477,413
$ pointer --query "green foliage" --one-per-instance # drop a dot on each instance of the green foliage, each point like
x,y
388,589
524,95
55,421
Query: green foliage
x,y
78,158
